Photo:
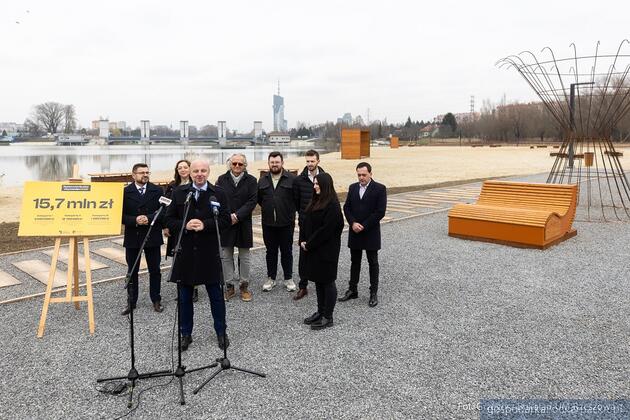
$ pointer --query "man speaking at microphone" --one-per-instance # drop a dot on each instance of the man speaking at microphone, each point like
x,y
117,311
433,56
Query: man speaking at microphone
x,y
199,262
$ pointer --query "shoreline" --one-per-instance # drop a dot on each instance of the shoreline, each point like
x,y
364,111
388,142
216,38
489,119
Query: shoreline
x,y
403,167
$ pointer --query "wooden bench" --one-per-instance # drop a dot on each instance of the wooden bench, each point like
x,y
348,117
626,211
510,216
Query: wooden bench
x,y
517,214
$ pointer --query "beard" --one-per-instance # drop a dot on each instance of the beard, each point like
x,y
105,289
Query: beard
x,y
275,170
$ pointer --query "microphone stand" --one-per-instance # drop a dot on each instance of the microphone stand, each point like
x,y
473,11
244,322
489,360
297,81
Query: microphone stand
x,y
181,371
224,361
133,374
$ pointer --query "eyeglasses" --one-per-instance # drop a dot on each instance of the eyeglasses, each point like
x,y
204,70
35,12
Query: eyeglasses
x,y
237,164
142,173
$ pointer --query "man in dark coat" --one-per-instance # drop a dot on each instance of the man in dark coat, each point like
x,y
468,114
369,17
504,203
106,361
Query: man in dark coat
x,y
277,204
241,190
303,191
364,208
140,206
199,261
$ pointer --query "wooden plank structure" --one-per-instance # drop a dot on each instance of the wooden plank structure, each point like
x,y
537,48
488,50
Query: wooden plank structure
x,y
72,285
394,142
517,214
126,177
355,143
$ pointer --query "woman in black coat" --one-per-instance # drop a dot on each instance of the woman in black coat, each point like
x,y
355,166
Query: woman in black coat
x,y
181,177
320,238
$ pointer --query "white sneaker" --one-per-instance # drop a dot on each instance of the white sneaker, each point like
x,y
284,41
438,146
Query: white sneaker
x,y
268,285
290,285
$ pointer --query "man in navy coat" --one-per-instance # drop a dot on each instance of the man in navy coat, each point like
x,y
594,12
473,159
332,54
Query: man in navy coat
x,y
364,208
140,205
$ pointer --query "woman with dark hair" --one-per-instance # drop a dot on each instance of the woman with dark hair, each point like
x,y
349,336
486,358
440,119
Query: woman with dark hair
x,y
181,177
320,238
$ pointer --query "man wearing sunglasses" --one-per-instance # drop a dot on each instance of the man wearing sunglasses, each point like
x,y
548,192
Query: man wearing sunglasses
x,y
241,191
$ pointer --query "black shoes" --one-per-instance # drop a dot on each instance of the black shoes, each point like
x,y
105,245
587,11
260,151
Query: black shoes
x,y
186,341
313,318
224,341
127,310
348,295
322,323
373,300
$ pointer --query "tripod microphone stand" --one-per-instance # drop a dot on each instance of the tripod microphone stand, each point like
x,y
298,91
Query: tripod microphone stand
x,y
224,361
133,374
181,371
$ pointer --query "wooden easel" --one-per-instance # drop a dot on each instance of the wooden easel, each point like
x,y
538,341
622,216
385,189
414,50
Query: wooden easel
x,y
72,285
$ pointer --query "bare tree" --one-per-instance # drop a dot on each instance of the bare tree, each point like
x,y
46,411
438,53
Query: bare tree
x,y
49,115
70,119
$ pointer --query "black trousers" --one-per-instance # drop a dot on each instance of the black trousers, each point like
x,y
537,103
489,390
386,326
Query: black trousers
x,y
302,270
152,257
355,268
279,238
326,298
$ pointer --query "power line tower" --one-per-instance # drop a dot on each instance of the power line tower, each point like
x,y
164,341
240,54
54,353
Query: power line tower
x,y
472,104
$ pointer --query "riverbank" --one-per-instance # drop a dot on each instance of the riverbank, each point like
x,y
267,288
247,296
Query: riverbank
x,y
403,167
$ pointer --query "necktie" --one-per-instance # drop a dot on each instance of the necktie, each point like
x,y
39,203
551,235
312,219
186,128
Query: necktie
x,y
141,191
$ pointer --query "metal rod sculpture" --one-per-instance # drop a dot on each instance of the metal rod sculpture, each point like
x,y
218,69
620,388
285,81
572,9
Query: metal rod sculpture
x,y
587,95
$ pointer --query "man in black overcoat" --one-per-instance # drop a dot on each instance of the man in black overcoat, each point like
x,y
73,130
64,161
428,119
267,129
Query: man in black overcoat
x,y
140,205
241,191
364,208
199,262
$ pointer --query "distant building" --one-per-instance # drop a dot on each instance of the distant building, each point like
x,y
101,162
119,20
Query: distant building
x,y
460,117
277,137
346,119
11,127
279,123
430,130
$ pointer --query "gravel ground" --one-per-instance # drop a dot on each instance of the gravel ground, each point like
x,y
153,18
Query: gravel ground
x,y
458,321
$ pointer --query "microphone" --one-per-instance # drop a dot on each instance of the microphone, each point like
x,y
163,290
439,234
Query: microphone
x,y
165,201
215,205
191,192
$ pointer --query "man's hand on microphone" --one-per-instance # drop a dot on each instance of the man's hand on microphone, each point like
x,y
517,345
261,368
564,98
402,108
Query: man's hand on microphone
x,y
357,227
194,224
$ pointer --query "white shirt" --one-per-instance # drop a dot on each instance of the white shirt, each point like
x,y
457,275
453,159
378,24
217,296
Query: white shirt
x,y
362,189
311,176
141,188
197,189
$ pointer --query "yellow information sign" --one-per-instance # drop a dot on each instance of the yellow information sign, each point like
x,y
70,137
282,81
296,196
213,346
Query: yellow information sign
x,y
71,209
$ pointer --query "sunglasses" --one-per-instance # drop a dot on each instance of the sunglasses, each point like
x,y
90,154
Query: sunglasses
x,y
237,164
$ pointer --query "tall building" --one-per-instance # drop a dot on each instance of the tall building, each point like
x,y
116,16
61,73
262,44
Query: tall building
x,y
279,123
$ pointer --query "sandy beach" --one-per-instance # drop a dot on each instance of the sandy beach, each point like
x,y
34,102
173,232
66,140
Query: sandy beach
x,y
406,166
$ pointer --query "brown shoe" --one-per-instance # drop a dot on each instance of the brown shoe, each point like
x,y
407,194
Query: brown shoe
x,y
229,292
246,295
157,306
300,294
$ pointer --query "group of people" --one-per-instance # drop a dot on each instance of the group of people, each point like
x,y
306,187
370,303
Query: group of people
x,y
200,207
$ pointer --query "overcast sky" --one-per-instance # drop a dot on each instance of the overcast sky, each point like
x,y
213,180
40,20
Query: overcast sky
x,y
220,60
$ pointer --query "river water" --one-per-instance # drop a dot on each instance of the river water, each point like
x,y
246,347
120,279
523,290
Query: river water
x,y
21,162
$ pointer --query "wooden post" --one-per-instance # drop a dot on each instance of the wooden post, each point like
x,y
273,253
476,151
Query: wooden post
x,y
72,283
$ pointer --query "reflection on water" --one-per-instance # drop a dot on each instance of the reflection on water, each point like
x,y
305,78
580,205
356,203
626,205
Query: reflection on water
x,y
23,162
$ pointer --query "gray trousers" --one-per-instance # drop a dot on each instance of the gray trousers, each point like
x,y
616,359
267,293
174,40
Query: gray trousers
x,y
244,261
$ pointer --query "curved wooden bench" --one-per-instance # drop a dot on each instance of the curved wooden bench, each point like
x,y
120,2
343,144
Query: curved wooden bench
x,y
518,214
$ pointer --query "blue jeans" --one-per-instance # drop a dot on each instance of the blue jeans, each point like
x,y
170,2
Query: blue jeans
x,y
217,307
